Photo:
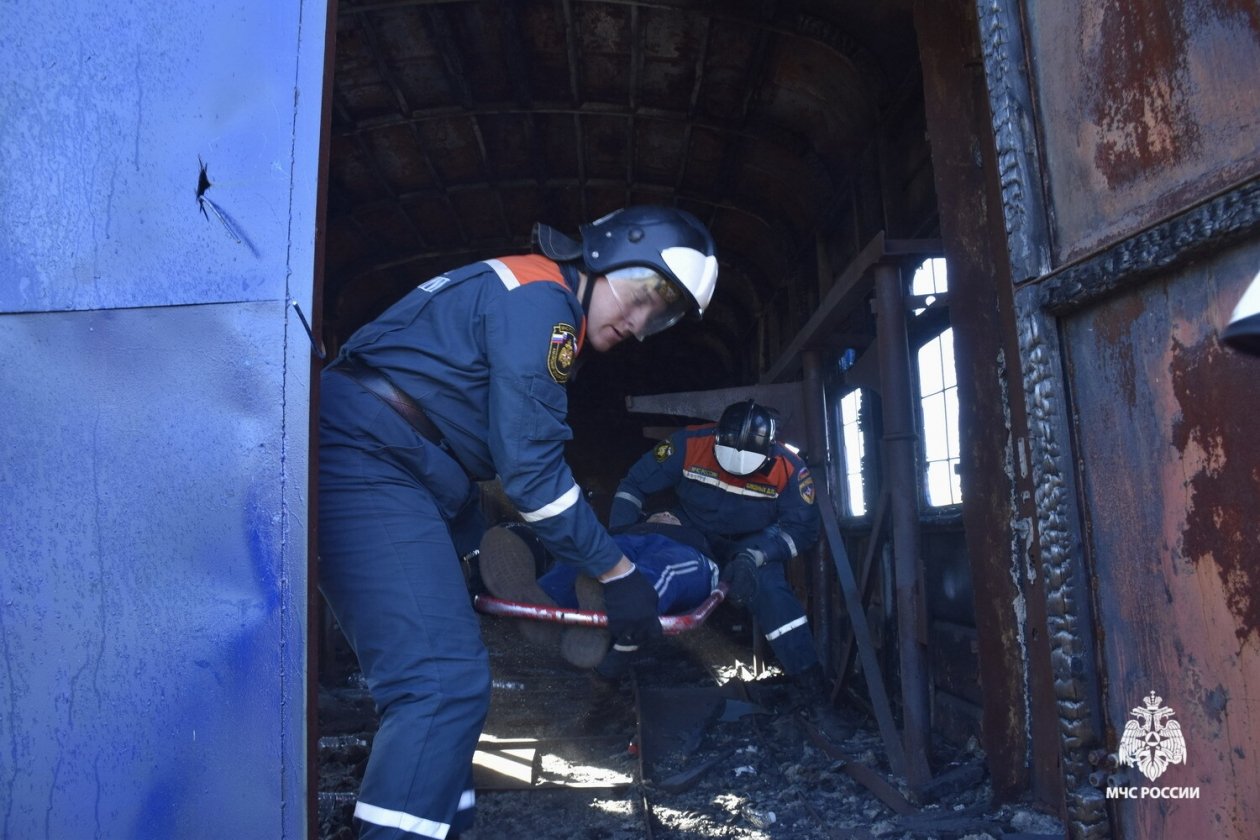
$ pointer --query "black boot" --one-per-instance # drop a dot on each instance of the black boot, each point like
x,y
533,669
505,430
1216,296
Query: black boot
x,y
615,665
813,691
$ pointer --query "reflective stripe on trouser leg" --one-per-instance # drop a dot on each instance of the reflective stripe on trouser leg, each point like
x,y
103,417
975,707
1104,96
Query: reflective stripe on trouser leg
x,y
394,583
786,628
782,619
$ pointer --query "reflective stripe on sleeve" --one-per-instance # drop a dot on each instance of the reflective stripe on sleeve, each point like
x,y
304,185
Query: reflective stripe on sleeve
x,y
401,820
467,800
790,544
631,498
505,273
559,506
786,628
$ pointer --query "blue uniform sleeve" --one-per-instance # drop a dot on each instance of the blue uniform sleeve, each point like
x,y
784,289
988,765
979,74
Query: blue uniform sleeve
x,y
530,334
796,529
658,469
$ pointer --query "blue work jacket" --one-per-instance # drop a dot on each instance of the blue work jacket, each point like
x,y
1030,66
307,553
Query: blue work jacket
x,y
771,510
487,350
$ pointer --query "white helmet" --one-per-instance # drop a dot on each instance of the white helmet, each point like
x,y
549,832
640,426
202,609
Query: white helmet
x,y
662,251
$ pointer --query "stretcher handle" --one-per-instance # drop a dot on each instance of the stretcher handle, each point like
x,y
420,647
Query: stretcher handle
x,y
670,624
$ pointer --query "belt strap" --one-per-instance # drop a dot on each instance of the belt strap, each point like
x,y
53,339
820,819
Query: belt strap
x,y
379,384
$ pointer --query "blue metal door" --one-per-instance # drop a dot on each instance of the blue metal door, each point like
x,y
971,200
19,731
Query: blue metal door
x,y
157,218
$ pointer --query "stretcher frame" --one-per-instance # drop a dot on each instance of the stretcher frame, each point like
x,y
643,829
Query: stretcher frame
x,y
671,625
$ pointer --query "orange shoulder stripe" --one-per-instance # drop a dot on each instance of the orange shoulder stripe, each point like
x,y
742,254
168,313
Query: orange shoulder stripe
x,y
532,268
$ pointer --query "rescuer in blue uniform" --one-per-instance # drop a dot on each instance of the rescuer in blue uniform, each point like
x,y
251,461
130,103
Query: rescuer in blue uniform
x,y
753,499
462,380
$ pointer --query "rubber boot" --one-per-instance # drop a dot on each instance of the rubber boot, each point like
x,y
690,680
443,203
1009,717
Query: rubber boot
x,y
813,691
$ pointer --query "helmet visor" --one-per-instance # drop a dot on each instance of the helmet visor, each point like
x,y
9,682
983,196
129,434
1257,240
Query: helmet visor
x,y
649,301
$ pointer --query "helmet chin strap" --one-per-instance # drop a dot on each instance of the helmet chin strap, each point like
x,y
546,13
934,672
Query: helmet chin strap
x,y
588,293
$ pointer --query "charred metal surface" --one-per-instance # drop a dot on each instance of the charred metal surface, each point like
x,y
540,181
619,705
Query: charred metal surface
x,y
1018,159
1139,117
1197,232
1143,110
1165,419
1021,742
1068,619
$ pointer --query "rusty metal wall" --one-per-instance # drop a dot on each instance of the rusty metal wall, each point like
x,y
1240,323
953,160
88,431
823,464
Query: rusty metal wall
x,y
154,465
1130,181
1018,731
1145,107
1167,441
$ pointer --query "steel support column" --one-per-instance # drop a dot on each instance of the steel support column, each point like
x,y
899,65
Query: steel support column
x,y
816,450
901,475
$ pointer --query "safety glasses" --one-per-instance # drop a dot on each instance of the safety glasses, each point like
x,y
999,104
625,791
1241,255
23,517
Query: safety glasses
x,y
649,301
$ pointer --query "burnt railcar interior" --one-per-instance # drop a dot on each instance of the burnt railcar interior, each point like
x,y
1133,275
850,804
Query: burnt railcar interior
x,y
797,132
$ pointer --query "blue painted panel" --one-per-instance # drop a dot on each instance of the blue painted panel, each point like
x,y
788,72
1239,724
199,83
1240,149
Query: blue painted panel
x,y
152,574
107,107
154,458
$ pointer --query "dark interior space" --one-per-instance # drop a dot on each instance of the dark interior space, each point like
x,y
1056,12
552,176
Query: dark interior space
x,y
795,131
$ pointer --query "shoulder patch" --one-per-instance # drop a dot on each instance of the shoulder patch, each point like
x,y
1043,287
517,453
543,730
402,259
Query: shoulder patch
x,y
561,352
663,450
805,483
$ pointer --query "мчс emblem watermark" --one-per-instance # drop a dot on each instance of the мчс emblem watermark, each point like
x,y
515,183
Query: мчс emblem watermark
x,y
1152,741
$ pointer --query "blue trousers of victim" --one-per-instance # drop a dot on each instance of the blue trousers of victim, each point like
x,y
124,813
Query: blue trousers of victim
x,y
682,576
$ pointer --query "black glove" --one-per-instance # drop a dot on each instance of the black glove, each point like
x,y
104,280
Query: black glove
x,y
740,576
631,604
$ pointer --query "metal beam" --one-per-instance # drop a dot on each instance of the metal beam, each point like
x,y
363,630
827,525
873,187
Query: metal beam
x,y
862,634
786,398
849,289
901,477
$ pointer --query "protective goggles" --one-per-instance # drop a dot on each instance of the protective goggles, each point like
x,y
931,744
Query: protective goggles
x,y
648,300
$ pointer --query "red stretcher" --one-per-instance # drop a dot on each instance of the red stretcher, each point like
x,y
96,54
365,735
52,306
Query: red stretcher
x,y
671,625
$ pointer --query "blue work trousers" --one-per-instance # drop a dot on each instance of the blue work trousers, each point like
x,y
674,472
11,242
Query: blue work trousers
x,y
781,619
390,572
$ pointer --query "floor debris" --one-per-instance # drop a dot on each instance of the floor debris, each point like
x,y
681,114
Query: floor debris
x,y
713,751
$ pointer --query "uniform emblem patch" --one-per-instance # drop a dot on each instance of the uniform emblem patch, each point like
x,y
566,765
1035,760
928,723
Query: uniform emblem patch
x,y
805,482
663,450
561,352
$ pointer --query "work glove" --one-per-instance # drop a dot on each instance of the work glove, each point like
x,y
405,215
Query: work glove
x,y
631,602
740,576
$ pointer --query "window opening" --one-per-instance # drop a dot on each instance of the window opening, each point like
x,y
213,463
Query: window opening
x,y
938,397
854,450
